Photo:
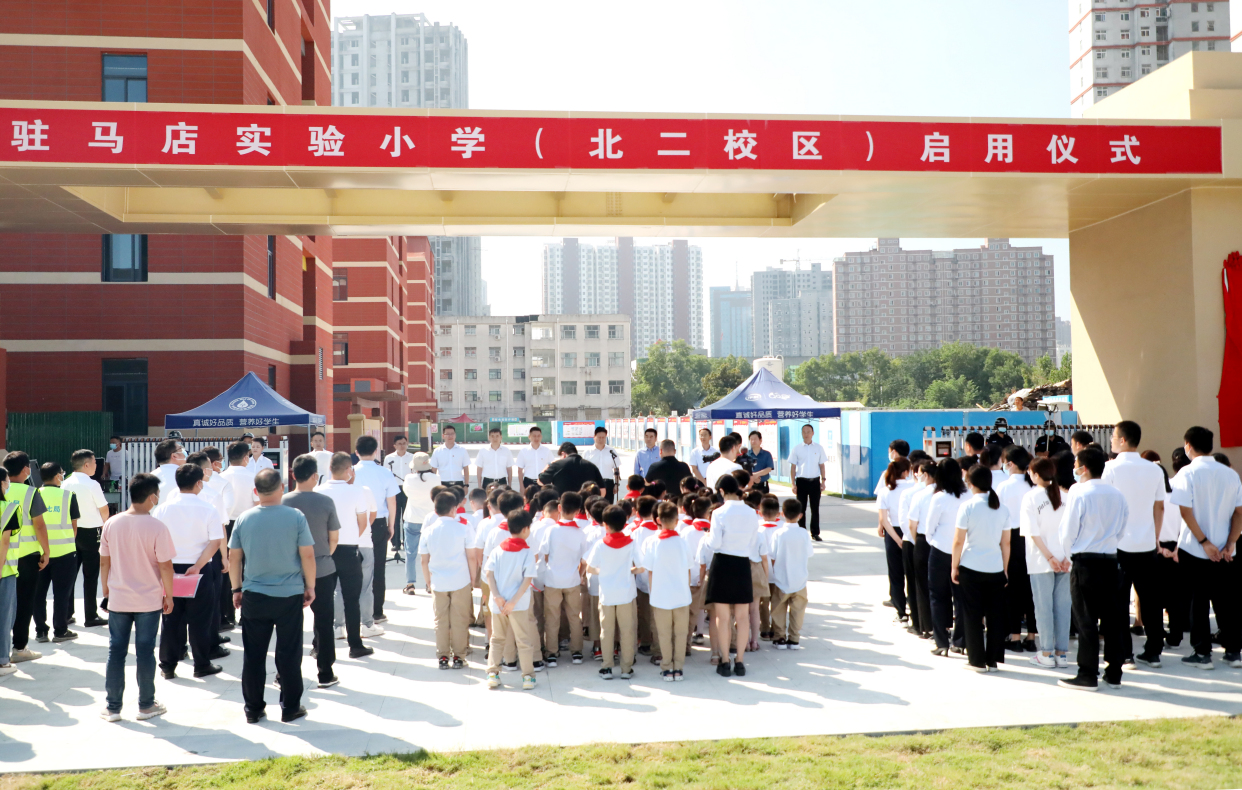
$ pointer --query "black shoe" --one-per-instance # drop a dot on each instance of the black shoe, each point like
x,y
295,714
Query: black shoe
x,y
332,681
1029,645
537,665
379,618
957,650
723,670
207,671
95,622
817,539
739,669
644,650
940,651
1137,630
360,652
42,637
1082,684
606,673
444,662
1151,660
73,620
459,662
254,718
576,658
223,640
227,626
169,674
294,716
1014,646
551,660
912,630
220,652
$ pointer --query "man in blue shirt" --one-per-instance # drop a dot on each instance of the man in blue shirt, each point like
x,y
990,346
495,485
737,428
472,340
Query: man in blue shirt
x,y
763,463
384,487
648,455
272,570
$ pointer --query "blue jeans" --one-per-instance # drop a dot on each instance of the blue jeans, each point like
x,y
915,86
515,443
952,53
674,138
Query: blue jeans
x,y
413,533
8,613
145,625
1051,592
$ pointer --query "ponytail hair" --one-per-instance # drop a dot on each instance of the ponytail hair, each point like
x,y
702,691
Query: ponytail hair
x,y
1046,468
981,478
1154,457
1017,455
894,472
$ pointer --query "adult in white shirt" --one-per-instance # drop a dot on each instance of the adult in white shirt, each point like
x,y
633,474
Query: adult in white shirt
x,y
351,608
216,490
1209,495
729,587
197,535
806,467
1142,484
895,481
1173,590
169,454
914,554
450,461
1019,603
239,477
398,463
1094,519
937,522
1047,563
258,461
605,459
384,487
730,446
702,456
898,448
494,463
323,458
93,512
980,551
533,458
114,460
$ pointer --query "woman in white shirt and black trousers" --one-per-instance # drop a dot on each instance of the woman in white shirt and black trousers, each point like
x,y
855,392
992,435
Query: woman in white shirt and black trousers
x,y
938,525
729,588
980,554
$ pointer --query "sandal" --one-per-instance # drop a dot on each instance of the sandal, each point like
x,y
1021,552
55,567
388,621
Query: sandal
x,y
752,647
410,589
715,660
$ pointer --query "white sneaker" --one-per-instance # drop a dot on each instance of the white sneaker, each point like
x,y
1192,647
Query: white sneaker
x,y
371,630
1041,660
340,633
109,715
26,654
1062,662
150,713
7,669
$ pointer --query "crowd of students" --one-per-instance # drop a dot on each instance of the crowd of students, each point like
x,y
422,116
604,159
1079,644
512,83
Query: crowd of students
x,y
982,546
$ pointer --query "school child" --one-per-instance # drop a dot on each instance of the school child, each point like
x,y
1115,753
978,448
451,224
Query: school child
x,y
645,529
759,571
634,485
694,533
495,530
510,571
476,512
611,561
562,547
450,579
666,559
547,504
594,532
704,558
769,519
791,559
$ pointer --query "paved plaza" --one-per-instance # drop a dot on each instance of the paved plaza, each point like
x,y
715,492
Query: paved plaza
x,y
858,673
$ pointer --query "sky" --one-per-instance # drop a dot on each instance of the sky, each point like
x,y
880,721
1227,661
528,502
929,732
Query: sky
x,y
947,58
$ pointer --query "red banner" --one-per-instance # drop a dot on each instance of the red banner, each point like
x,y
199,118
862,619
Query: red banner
x,y
135,137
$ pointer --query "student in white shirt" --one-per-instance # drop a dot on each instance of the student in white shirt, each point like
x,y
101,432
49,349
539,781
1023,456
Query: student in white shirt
x,y
510,572
807,463
990,457
761,573
1019,604
476,510
937,522
730,446
1047,563
791,566
563,547
914,503
352,511
533,458
701,457
893,484
450,461
613,561
1209,494
93,511
323,457
980,552
644,530
494,463
450,579
695,533
667,560
730,587
594,530
1142,484
1094,518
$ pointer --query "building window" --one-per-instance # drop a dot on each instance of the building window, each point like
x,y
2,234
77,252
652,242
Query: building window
x,y
519,352
569,388
519,330
471,330
472,352
1194,27
493,374
494,396
1144,13
592,331
493,331
519,396
446,375
1125,54
1211,46
616,359
592,359
472,396
615,332
616,387
493,353
542,385
1125,16
1125,35
1101,74
471,374
125,395
1144,32
340,287
1126,73
405,97
519,374
540,361
1099,17
446,397
569,360
271,267
444,329
541,333
125,80
1099,54
271,376
340,349
446,351
1101,35
569,332
321,363
124,259
592,387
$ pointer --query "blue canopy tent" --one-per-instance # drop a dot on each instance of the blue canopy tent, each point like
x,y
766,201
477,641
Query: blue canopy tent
x,y
764,397
247,404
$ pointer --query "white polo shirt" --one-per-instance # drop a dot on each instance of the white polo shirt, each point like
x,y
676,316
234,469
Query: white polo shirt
x,y
1095,515
696,459
167,473
790,554
806,459
941,519
451,463
323,460
1211,490
241,478
668,559
192,523
219,494
605,460
350,501
616,580
640,535
494,464
399,465
564,545
90,498
511,569
1011,493
532,461
718,469
1142,484
694,537
445,543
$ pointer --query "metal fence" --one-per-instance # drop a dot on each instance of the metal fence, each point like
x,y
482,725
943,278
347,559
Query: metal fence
x,y
140,457
951,440
54,436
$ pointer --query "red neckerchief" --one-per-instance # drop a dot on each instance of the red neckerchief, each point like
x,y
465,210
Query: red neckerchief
x,y
667,533
771,524
651,525
514,544
573,524
617,540
503,525
702,524
460,510
687,521
462,520
633,494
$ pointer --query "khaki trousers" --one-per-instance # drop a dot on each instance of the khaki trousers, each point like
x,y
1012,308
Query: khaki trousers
x,y
485,610
643,602
672,629
765,609
795,605
518,627
536,608
619,623
566,601
590,606
452,611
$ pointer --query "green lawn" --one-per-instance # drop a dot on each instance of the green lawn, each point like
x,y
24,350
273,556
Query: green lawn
x,y
1176,753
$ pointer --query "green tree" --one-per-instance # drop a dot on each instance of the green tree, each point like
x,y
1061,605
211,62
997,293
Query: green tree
x,y
726,375
955,393
669,379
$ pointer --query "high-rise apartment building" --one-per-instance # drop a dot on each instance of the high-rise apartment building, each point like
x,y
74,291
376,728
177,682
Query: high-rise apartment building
x,y
731,327
404,60
800,327
1114,43
773,284
659,286
900,301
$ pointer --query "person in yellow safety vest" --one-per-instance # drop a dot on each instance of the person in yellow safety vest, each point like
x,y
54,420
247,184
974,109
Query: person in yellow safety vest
x,y
33,552
61,520
10,524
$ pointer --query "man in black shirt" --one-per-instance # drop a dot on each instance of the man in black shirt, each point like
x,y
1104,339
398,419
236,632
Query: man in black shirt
x,y
570,471
668,470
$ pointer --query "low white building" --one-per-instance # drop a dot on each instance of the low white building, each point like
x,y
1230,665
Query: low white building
x,y
553,367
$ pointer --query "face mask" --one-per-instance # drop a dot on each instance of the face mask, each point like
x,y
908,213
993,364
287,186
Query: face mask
x,y
1078,474
112,445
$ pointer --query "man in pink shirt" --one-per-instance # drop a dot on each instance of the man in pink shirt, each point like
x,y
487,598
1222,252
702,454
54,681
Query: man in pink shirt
x,y
135,566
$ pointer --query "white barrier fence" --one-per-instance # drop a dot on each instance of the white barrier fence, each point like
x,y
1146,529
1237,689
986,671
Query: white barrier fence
x,y
140,457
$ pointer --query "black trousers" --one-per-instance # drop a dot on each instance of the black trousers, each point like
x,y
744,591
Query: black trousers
x,y
761,486
946,606
922,552
349,575
1141,569
191,619
379,541
1212,584
27,588
260,615
610,490
322,611
896,573
908,569
87,549
225,613
397,521
60,574
1019,602
1174,595
1093,598
983,601
807,491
